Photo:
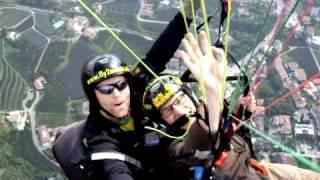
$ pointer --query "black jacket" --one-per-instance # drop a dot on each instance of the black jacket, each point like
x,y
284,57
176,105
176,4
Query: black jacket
x,y
103,135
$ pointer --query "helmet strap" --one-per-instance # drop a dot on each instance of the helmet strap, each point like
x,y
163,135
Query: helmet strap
x,y
189,93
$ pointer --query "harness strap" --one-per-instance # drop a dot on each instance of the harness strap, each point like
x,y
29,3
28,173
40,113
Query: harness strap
x,y
255,164
203,155
115,156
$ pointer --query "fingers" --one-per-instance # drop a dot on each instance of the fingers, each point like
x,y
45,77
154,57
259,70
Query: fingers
x,y
186,58
187,48
194,44
221,62
204,43
218,54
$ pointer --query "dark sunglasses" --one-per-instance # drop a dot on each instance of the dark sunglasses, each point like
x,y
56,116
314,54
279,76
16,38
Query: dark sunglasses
x,y
108,88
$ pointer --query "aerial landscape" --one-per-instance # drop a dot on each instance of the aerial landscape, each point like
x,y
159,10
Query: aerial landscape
x,y
44,44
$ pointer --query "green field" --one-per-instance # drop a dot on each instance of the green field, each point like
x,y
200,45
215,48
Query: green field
x,y
51,119
14,86
54,99
53,57
23,57
10,16
19,158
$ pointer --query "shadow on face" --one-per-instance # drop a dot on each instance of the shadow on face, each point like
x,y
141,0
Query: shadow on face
x,y
113,96
180,104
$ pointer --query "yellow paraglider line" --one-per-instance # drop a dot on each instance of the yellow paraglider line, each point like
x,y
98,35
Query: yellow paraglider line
x,y
183,12
297,155
117,37
226,52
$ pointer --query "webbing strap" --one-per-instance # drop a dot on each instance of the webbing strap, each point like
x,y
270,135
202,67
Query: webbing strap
x,y
115,156
203,155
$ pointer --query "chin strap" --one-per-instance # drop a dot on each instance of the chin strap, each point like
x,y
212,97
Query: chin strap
x,y
172,130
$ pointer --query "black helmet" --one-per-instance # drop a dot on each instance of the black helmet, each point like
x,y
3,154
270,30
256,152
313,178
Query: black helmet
x,y
100,68
160,90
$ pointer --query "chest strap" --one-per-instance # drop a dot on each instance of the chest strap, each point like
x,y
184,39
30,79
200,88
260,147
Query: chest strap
x,y
115,156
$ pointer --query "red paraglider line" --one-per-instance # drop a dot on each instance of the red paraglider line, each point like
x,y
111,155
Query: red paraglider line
x,y
287,95
257,85
279,23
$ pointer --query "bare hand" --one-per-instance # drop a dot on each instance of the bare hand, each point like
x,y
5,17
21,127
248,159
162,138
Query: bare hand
x,y
207,63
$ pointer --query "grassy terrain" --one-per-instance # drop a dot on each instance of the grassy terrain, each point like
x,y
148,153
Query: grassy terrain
x,y
23,57
51,119
13,89
10,16
305,60
54,99
44,23
19,158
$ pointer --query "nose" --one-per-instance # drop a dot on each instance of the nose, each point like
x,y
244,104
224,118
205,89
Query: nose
x,y
116,92
178,111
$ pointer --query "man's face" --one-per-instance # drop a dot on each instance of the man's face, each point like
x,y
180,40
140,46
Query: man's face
x,y
114,96
180,104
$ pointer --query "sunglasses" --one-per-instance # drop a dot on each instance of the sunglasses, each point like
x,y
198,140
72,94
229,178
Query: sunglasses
x,y
180,99
109,88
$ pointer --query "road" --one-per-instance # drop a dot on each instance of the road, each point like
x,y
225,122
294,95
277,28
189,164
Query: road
x,y
280,7
31,10
45,47
106,2
21,21
35,9
247,58
30,112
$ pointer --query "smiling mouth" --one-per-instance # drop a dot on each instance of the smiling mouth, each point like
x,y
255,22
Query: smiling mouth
x,y
118,104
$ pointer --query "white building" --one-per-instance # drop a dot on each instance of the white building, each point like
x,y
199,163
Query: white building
x,y
12,36
44,136
77,24
165,2
316,40
17,120
306,129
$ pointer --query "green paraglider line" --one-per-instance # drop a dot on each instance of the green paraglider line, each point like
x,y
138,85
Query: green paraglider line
x,y
194,17
117,37
239,88
279,32
292,152
284,148
290,36
205,17
259,33
184,16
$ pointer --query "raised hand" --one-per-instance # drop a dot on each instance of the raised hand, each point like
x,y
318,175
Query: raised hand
x,y
206,63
